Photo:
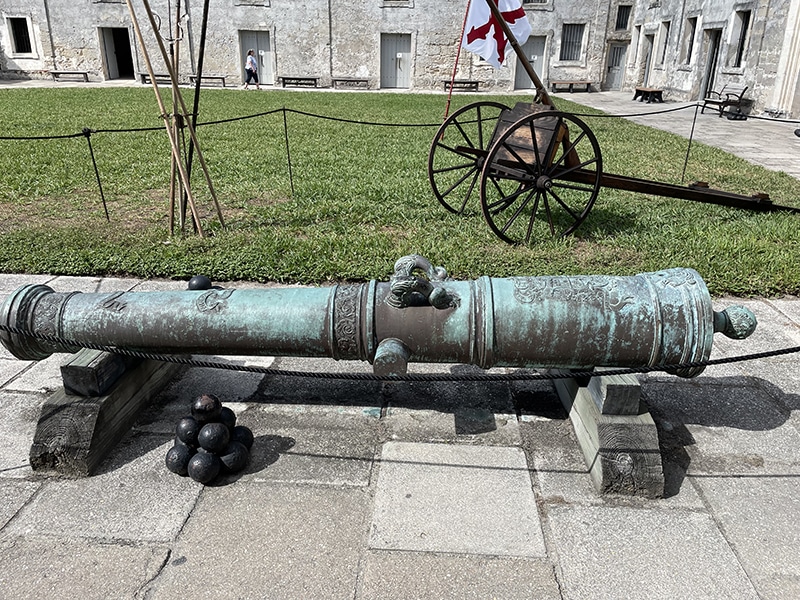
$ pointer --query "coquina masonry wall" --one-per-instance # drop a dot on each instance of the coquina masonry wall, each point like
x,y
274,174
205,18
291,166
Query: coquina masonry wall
x,y
340,38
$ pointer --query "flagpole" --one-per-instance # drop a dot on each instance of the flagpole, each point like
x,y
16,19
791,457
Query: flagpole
x,y
541,91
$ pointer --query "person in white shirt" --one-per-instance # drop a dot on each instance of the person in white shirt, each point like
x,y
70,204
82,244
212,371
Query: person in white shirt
x,y
251,68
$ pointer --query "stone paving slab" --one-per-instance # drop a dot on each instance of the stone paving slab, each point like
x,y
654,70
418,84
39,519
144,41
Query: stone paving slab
x,y
12,282
44,376
75,569
268,541
133,498
311,447
645,554
17,426
455,498
758,516
11,367
405,575
13,496
727,428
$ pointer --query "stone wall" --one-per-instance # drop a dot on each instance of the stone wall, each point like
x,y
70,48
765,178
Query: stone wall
x,y
340,38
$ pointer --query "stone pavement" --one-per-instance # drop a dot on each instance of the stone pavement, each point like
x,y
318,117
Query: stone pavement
x,y
361,490
410,490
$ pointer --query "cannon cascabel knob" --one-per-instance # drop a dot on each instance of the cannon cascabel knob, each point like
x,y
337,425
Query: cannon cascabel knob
x,y
735,322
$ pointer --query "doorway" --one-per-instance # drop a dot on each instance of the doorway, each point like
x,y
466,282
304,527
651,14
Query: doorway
x,y
533,49
713,37
648,57
615,71
395,60
117,55
258,41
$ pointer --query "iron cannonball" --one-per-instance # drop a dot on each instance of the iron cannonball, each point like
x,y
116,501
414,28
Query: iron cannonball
x,y
228,417
178,458
187,430
199,282
234,458
243,435
214,437
206,408
204,467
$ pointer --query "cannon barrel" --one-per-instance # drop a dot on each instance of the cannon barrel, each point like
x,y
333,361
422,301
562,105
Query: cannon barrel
x,y
576,322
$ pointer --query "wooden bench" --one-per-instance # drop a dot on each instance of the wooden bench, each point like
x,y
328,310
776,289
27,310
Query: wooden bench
x,y
161,78
463,85
731,94
350,82
570,85
83,75
204,78
299,81
648,94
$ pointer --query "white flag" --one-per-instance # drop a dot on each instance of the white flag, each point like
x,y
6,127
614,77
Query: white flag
x,y
483,34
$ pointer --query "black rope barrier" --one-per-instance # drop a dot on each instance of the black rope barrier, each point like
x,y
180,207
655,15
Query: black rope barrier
x,y
523,375
284,110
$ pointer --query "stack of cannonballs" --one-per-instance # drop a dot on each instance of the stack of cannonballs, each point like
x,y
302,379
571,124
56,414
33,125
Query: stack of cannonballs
x,y
209,442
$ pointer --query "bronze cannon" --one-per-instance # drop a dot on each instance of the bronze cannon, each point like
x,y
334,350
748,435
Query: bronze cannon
x,y
420,315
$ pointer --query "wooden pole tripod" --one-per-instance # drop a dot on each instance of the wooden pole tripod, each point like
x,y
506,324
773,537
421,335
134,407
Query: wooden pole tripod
x,y
179,121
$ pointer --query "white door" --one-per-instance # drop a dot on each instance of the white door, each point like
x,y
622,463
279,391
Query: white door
x,y
258,41
395,60
616,65
533,49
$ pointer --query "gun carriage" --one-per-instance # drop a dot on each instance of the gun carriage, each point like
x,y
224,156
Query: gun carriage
x,y
537,170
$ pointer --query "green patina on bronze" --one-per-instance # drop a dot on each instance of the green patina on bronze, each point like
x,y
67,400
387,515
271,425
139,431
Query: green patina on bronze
x,y
577,322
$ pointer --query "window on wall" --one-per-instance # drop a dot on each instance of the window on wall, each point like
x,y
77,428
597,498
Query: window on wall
x,y
741,30
623,16
663,42
20,35
688,39
571,42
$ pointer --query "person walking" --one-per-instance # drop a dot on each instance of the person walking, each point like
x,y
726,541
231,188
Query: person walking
x,y
251,68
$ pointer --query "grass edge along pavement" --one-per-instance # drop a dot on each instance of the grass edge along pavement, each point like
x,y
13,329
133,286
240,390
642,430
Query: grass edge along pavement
x,y
361,196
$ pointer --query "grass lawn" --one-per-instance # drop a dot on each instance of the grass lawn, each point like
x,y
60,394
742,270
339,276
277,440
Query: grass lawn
x,y
360,198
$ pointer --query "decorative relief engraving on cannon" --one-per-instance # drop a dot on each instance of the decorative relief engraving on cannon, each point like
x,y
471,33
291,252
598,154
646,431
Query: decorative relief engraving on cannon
x,y
112,302
345,322
213,300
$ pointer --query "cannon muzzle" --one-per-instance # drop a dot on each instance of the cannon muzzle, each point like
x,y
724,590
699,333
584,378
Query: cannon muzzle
x,y
576,322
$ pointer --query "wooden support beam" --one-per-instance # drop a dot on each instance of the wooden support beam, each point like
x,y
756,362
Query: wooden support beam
x,y
620,451
75,433
93,372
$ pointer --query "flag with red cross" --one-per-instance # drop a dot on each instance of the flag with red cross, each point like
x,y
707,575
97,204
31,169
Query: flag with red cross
x,y
483,34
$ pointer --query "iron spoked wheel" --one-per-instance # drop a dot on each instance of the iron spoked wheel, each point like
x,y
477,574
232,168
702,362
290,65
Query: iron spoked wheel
x,y
541,177
458,151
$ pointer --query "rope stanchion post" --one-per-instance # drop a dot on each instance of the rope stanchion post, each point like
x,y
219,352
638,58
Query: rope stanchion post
x,y
88,134
288,154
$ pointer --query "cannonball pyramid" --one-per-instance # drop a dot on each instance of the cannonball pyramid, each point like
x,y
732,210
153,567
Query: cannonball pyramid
x,y
209,442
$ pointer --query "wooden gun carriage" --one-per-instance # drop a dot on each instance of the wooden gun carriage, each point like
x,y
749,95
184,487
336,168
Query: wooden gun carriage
x,y
537,170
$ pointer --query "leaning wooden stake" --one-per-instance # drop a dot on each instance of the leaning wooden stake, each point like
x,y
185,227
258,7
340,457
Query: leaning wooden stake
x,y
177,94
170,131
